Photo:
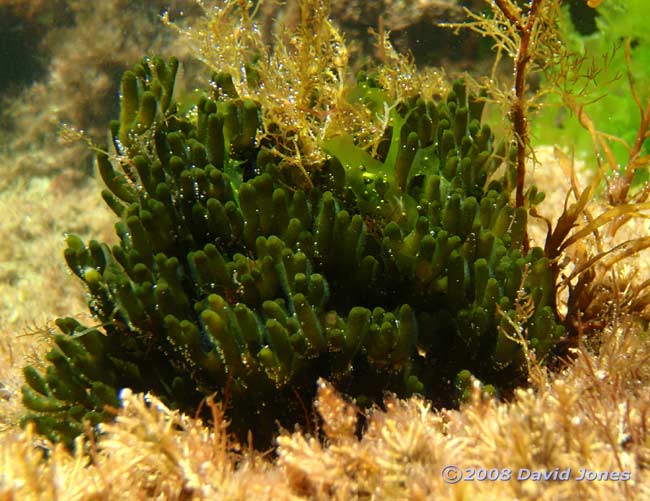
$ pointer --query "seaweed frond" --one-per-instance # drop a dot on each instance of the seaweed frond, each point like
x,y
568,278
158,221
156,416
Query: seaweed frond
x,y
302,84
530,37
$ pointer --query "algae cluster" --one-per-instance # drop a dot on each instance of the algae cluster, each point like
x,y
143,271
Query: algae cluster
x,y
390,272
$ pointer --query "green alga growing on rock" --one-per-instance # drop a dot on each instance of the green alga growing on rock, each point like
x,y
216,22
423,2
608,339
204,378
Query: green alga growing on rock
x,y
391,272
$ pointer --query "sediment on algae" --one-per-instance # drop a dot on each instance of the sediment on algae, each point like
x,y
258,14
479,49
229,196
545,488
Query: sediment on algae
x,y
394,272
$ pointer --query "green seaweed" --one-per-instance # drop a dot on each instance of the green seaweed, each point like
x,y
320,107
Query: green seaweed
x,y
596,77
230,277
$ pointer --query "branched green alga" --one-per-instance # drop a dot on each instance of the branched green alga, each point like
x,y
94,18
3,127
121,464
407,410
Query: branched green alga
x,y
393,272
